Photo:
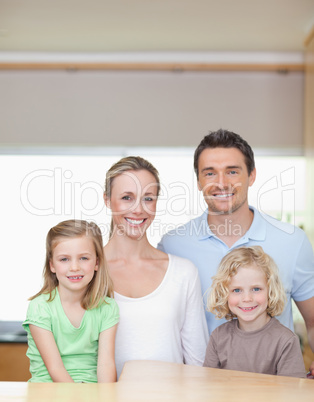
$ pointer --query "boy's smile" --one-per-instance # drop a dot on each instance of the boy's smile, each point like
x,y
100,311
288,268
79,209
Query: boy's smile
x,y
248,297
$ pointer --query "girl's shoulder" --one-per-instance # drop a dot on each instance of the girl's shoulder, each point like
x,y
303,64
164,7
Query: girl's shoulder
x,y
109,313
40,312
110,301
43,298
108,305
43,304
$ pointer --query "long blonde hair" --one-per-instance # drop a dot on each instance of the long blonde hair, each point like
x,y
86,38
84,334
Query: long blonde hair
x,y
217,302
101,285
127,164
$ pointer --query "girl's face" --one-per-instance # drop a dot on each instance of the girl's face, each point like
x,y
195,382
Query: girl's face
x,y
74,262
248,297
133,202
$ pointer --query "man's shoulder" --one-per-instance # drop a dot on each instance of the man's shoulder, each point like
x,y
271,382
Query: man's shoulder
x,y
192,228
278,227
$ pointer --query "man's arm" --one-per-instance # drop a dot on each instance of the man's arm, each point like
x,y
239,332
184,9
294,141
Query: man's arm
x,y
306,308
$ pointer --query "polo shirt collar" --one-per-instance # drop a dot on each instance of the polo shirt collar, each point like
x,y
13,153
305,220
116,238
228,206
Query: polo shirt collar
x,y
257,230
201,221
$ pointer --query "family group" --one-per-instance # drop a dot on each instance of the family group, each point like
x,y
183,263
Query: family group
x,y
205,296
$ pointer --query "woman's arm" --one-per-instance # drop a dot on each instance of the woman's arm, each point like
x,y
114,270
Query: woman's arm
x,y
47,347
194,333
106,367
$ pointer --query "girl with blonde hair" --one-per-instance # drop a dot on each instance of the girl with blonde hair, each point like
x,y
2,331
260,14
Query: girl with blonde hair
x,y
71,321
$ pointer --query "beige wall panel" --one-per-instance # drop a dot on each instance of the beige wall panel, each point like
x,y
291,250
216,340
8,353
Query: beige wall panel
x,y
149,108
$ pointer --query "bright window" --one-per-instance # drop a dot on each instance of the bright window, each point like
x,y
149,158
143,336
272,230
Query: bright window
x,y
38,191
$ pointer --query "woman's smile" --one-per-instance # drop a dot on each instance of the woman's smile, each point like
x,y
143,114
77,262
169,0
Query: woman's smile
x,y
135,222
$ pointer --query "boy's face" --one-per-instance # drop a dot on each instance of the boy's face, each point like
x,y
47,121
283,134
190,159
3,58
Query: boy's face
x,y
248,297
224,180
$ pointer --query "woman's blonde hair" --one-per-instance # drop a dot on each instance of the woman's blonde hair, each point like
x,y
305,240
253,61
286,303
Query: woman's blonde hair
x,y
127,164
101,285
217,302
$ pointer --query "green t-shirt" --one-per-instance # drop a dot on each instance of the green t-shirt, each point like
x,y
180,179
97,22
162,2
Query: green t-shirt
x,y
78,347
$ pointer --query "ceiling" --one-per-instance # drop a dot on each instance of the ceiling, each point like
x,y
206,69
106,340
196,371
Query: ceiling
x,y
160,25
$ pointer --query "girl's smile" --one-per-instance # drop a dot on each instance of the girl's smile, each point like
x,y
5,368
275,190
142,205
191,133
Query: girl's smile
x,y
75,278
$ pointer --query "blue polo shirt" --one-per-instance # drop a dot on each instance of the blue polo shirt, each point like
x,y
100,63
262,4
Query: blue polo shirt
x,y
286,244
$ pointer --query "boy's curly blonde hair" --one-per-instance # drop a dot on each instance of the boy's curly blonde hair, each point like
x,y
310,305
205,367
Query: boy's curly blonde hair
x,y
242,257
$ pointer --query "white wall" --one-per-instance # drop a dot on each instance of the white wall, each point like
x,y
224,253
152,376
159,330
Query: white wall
x,y
149,108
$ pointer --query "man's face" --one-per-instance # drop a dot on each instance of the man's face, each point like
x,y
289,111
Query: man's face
x,y
224,180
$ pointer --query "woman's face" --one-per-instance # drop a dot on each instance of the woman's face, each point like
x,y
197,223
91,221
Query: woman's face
x,y
133,202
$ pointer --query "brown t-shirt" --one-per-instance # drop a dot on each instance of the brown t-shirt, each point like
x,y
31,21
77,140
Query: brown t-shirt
x,y
273,349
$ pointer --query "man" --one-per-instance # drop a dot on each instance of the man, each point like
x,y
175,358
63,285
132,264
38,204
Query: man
x,y
225,169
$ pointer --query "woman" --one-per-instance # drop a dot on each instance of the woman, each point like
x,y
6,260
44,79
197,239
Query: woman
x,y
159,295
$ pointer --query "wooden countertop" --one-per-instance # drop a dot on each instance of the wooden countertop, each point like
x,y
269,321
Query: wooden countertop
x,y
145,381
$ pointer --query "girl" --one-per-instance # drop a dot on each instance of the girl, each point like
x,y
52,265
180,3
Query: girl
x,y
72,320
247,291
159,295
